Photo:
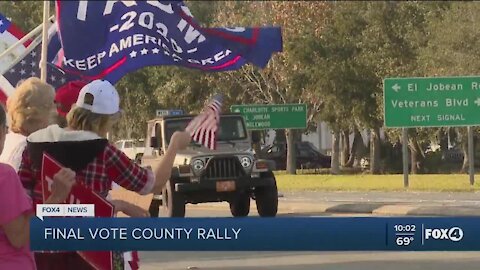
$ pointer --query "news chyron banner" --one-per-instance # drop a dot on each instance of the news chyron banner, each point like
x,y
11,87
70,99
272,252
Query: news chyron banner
x,y
257,234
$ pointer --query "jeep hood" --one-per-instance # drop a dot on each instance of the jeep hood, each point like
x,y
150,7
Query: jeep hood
x,y
184,156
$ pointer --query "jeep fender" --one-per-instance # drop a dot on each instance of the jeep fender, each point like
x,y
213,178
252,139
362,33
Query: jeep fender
x,y
271,164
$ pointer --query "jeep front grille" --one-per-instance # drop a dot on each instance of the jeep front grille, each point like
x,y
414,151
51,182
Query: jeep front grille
x,y
224,168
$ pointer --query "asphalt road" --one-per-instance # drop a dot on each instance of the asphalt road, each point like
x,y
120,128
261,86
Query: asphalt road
x,y
310,260
302,260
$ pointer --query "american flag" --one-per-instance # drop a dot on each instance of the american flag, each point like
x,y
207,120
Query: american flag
x,y
203,128
29,67
9,35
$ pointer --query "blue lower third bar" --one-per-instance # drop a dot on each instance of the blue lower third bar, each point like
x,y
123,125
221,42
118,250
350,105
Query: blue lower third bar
x,y
256,234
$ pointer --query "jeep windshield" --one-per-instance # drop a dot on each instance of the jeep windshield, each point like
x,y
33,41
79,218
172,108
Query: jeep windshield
x,y
231,128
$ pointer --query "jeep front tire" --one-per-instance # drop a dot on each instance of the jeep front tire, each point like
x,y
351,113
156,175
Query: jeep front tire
x,y
267,198
173,202
240,205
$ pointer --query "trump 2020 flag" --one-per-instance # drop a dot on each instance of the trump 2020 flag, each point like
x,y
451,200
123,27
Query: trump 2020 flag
x,y
203,128
9,35
108,39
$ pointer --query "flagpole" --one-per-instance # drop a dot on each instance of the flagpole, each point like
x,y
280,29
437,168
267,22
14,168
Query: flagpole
x,y
32,33
43,59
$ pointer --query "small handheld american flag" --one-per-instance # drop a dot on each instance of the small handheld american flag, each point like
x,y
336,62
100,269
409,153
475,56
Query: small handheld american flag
x,y
203,128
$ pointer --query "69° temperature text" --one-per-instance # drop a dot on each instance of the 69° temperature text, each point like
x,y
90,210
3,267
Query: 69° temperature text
x,y
404,240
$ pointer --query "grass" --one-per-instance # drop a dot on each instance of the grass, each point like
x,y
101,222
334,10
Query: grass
x,y
365,182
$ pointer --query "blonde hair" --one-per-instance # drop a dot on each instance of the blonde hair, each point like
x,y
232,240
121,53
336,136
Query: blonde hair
x,y
82,119
31,106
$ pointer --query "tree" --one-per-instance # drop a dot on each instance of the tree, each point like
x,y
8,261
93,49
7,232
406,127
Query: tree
x,y
452,41
25,14
392,43
284,79
347,86
136,91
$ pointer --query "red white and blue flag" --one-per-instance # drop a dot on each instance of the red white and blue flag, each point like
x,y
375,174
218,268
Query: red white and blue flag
x,y
9,35
108,39
29,66
203,128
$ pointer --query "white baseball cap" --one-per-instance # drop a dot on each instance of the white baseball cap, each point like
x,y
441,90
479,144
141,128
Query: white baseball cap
x,y
100,97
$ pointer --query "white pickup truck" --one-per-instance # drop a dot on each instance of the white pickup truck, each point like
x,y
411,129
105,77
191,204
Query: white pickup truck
x,y
134,149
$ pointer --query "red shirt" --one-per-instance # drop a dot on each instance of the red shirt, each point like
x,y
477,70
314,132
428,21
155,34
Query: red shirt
x,y
111,165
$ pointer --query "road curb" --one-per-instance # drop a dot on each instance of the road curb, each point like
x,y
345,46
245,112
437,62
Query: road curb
x,y
378,208
394,210
403,209
445,211
357,208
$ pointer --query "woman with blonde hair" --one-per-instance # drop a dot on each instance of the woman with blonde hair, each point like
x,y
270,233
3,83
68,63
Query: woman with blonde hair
x,y
29,108
17,210
82,147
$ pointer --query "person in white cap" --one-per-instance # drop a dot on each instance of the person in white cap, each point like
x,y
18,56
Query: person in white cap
x,y
82,147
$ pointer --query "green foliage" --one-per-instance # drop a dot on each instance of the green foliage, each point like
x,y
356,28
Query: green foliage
x,y
392,182
136,92
25,14
453,41
346,85
285,79
203,11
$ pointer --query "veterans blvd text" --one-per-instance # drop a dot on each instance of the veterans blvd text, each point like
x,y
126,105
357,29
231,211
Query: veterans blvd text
x,y
142,233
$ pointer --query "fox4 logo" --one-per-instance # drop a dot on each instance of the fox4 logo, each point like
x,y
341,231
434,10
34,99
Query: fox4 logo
x,y
453,234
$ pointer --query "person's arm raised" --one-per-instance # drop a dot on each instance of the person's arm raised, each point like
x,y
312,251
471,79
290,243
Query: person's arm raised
x,y
180,140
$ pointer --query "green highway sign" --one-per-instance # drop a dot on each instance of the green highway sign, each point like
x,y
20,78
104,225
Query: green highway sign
x,y
432,102
276,116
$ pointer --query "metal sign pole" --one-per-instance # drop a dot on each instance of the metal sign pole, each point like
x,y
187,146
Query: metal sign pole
x,y
471,161
405,156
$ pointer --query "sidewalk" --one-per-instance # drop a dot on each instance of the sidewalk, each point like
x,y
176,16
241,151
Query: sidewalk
x,y
387,203
381,209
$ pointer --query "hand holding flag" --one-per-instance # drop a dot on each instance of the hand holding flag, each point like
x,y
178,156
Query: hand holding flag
x,y
203,128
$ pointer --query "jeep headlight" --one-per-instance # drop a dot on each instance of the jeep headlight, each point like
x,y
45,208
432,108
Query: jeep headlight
x,y
246,161
198,164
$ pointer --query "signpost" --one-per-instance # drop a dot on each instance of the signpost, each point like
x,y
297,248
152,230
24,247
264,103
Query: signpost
x,y
275,116
432,102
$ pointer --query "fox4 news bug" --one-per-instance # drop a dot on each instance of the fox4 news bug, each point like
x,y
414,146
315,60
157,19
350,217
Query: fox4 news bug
x,y
454,234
